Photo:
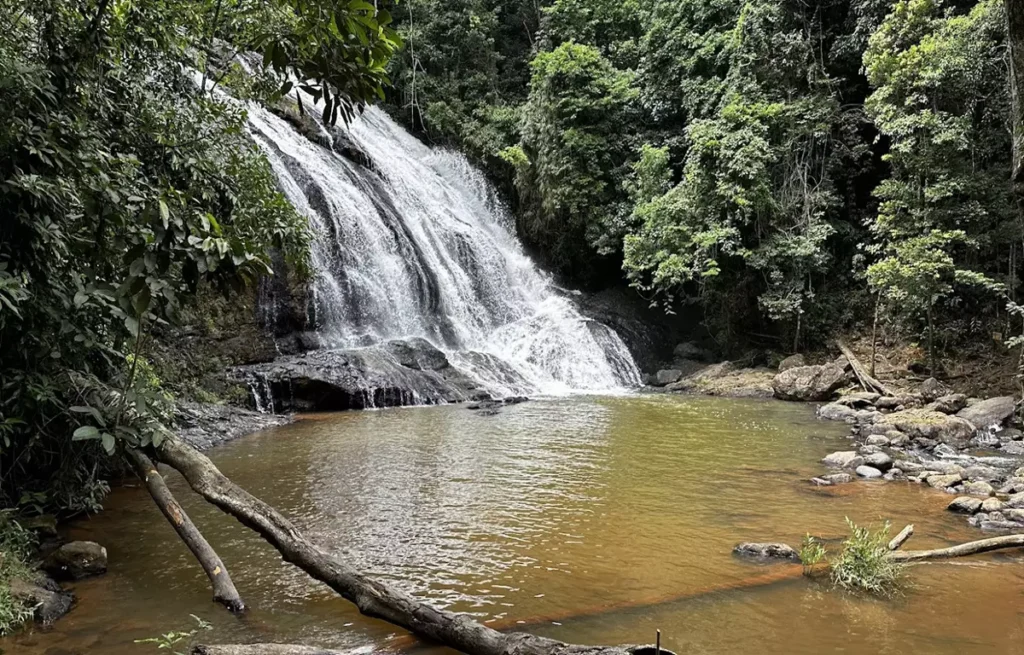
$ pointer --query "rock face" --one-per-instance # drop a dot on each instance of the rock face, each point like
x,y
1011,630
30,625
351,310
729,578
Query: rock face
x,y
767,551
395,374
50,601
76,560
988,413
793,361
204,425
922,423
809,383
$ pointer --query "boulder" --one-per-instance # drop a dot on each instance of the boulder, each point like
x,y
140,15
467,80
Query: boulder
x,y
932,389
877,440
992,505
908,466
896,438
666,377
690,350
924,424
868,472
965,505
793,361
880,461
989,413
942,481
1013,515
843,459
809,383
837,412
49,600
979,489
950,404
76,560
767,551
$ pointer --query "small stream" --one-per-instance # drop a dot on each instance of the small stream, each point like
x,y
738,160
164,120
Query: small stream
x,y
588,519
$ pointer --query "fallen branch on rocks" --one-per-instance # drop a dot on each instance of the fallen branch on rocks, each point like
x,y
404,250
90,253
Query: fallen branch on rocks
x,y
866,381
372,597
901,538
224,591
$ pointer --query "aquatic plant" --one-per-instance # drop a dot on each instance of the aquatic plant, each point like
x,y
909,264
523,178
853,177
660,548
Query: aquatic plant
x,y
864,565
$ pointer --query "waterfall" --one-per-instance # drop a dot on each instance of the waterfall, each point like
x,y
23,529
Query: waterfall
x,y
413,241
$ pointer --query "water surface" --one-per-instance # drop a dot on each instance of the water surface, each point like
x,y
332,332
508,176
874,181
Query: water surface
x,y
587,519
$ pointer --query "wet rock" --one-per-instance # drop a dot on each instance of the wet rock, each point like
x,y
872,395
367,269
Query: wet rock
x,y
880,461
943,481
877,440
999,526
897,439
944,450
869,450
837,412
965,505
1013,514
793,361
1009,434
205,425
837,478
909,467
894,474
809,383
988,414
992,505
767,551
843,459
981,473
417,354
950,404
1013,486
924,443
944,467
985,440
76,560
666,377
49,600
978,489
859,399
1012,448
932,389
868,472
1015,501
924,424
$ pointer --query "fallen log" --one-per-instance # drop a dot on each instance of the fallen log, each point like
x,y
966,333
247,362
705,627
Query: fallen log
x,y
960,550
901,538
264,649
867,382
224,591
372,597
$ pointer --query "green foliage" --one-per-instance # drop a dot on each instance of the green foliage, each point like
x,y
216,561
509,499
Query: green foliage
x,y
174,638
863,564
812,553
127,184
16,547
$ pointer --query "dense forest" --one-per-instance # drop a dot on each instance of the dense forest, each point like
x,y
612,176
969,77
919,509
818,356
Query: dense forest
x,y
778,166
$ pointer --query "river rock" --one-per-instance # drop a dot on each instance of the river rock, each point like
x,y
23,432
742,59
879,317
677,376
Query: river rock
x,y
1015,501
837,412
932,389
894,474
965,505
868,472
767,551
49,600
989,413
837,478
985,440
859,399
896,438
876,440
869,450
941,481
843,459
978,489
1010,434
793,361
1012,448
981,473
909,467
880,461
1014,514
809,383
992,505
418,354
76,560
666,377
950,404
924,424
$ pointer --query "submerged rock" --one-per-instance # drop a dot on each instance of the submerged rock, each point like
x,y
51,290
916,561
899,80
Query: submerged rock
x,y
76,560
767,551
809,383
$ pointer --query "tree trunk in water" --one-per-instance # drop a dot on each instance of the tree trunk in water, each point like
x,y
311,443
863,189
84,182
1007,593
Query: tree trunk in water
x,y
372,597
224,591
961,550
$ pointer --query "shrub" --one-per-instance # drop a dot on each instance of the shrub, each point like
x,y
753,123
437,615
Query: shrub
x,y
863,563
16,546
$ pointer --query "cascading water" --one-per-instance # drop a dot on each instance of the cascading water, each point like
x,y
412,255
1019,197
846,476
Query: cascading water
x,y
416,243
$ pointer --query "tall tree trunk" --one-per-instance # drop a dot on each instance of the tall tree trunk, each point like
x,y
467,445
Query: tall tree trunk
x,y
372,597
224,591
1015,29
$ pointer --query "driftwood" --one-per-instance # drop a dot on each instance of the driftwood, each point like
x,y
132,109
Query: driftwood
x,y
372,597
224,591
867,382
901,538
264,649
960,550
